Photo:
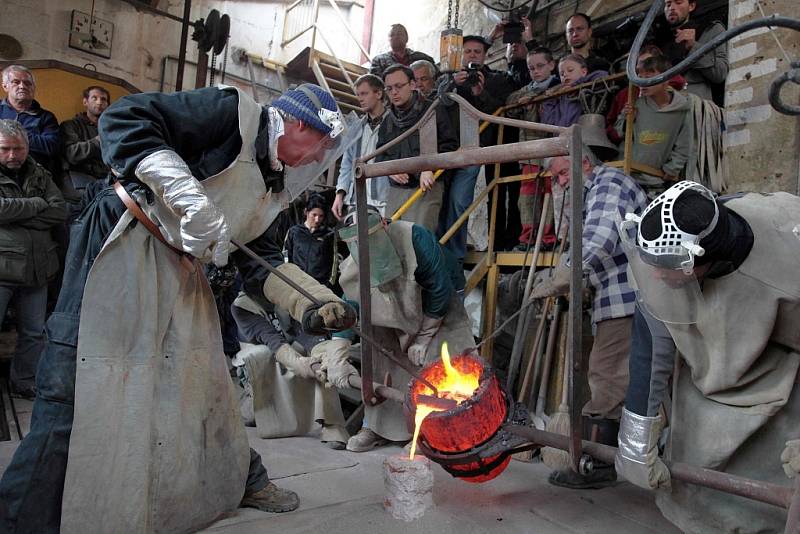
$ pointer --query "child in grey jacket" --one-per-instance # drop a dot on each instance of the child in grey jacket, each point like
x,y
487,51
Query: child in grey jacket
x,y
662,131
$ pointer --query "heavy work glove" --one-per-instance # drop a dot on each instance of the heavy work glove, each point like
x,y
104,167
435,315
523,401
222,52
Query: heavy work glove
x,y
334,314
203,231
419,348
333,354
555,285
637,456
791,458
299,364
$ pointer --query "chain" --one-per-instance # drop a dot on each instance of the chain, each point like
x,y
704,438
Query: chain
x,y
213,66
449,12
224,62
455,19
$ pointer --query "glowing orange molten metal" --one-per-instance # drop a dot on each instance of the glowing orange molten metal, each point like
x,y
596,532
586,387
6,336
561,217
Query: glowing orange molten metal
x,y
457,437
456,383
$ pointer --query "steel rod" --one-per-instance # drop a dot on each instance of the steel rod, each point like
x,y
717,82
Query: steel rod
x,y
766,492
575,352
187,9
539,148
793,517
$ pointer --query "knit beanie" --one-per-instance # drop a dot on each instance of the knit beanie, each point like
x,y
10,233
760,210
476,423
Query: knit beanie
x,y
305,102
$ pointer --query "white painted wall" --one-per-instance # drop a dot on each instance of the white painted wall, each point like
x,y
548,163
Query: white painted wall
x,y
140,40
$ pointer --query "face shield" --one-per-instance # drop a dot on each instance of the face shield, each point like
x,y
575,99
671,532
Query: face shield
x,y
663,287
384,262
318,158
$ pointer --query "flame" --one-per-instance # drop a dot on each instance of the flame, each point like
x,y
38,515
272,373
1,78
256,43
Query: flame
x,y
454,385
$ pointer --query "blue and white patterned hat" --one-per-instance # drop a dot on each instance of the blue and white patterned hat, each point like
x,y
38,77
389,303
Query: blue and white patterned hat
x,y
313,105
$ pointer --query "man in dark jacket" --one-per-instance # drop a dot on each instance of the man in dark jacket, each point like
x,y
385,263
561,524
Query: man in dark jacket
x,y
407,108
161,147
682,35
579,38
80,143
30,206
19,105
487,90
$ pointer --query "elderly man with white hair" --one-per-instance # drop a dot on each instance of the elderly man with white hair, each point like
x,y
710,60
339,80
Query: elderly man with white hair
x,y
608,194
20,105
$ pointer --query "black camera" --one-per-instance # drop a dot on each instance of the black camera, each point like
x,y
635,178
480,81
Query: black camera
x,y
513,28
472,74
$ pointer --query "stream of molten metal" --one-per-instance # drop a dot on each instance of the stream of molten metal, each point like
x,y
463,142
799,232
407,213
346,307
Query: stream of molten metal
x,y
455,385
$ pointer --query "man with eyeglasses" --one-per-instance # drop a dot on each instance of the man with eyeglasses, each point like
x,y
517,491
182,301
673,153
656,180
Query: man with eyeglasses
x,y
407,107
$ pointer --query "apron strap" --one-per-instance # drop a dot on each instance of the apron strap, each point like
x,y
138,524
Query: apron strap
x,y
148,223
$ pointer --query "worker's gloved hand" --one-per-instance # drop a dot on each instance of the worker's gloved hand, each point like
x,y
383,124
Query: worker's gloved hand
x,y
296,362
203,230
331,316
329,312
337,315
419,348
555,285
637,456
334,357
791,458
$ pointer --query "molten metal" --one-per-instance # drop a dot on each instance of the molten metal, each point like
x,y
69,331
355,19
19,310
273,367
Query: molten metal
x,y
455,385
460,438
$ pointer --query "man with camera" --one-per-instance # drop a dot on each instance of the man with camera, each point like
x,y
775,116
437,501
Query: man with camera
x,y
487,90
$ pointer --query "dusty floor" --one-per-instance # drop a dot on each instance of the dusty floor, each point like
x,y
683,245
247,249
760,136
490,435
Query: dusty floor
x,y
342,492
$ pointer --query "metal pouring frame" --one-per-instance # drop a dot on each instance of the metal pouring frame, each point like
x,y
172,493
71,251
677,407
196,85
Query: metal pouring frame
x,y
567,142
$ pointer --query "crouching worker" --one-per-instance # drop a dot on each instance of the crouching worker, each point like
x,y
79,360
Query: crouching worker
x,y
716,278
290,376
415,308
135,425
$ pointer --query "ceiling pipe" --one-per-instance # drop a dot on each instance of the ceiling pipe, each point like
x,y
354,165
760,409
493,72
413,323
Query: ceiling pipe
x,y
366,34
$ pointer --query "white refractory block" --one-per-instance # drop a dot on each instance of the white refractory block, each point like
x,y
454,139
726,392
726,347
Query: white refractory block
x,y
409,486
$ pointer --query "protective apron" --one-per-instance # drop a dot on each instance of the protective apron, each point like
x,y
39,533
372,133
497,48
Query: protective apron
x,y
285,404
157,444
396,310
739,401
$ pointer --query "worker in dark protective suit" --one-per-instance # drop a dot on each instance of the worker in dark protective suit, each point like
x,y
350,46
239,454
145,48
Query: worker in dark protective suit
x,y
134,343
716,278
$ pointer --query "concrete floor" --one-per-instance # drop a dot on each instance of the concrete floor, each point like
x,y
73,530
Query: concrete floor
x,y
342,492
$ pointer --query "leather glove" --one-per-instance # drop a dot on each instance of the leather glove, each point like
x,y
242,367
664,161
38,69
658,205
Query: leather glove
x,y
791,458
204,232
334,356
557,284
336,316
297,363
637,456
419,348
